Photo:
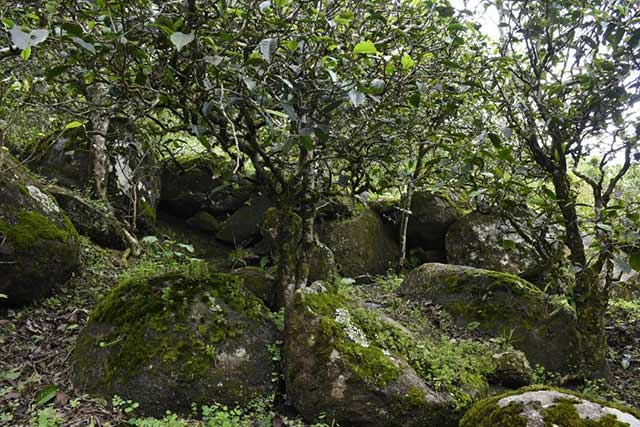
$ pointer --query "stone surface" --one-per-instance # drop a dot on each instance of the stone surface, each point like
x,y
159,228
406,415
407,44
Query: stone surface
x,y
90,217
512,370
431,217
485,241
258,281
177,339
362,244
133,181
204,221
202,183
244,225
39,247
334,367
503,305
540,407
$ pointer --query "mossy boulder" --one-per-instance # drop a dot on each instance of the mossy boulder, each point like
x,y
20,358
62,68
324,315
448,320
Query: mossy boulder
x,y
39,246
259,281
244,224
486,241
362,244
174,339
205,222
133,181
541,406
202,183
512,370
359,368
431,216
90,217
502,305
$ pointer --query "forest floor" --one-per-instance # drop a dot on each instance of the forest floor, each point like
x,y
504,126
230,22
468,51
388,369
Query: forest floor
x,y
36,342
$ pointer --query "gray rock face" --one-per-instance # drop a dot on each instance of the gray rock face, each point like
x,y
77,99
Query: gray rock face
x,y
431,217
244,224
175,339
485,241
39,246
540,408
333,368
362,245
90,218
512,370
133,177
202,184
503,305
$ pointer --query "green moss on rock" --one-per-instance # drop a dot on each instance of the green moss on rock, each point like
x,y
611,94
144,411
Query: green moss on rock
x,y
516,408
188,328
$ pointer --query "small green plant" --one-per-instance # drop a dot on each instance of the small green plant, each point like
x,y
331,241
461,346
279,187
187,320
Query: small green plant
x,y
46,417
169,420
278,319
505,339
124,405
542,376
240,257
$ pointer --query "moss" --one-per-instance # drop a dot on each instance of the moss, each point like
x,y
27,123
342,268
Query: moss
x,y
458,368
177,317
564,414
486,413
147,211
32,227
415,396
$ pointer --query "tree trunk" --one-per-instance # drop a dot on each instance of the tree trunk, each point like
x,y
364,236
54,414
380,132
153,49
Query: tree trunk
x,y
590,301
99,155
591,307
404,225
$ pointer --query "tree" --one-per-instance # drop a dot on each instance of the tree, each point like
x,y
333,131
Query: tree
x,y
566,78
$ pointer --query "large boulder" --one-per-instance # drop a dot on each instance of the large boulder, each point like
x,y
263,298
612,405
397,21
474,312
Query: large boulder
x,y
177,339
259,281
202,183
360,368
541,406
362,244
431,216
90,217
133,181
502,305
486,241
39,246
243,225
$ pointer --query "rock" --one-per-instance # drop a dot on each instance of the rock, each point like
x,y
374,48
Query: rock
x,y
258,281
322,265
541,407
204,221
485,241
362,245
133,170
502,305
431,217
512,370
39,246
244,224
90,217
350,364
202,183
177,339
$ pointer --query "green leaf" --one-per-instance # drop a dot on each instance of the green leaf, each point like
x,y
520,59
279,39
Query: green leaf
x,y
46,394
3,296
277,113
634,261
407,62
149,240
72,125
180,40
365,47
455,27
25,54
